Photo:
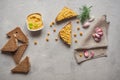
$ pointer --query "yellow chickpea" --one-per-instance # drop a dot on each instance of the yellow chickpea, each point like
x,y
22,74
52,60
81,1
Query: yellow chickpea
x,y
81,33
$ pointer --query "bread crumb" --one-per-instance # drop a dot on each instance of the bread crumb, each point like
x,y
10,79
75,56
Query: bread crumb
x,y
75,35
81,33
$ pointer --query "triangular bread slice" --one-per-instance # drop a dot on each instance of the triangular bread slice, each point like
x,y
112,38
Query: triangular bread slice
x,y
19,53
17,32
23,67
66,33
65,14
11,45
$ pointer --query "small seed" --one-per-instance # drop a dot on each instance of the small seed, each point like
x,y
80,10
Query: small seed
x,y
80,54
50,25
75,35
56,39
81,33
76,41
53,23
35,42
54,30
77,21
47,39
48,33
78,28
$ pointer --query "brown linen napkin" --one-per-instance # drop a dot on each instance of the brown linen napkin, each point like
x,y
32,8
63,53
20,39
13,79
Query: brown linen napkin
x,y
88,43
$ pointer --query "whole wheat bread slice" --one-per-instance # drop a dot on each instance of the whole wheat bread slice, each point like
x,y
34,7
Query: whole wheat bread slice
x,y
23,67
17,32
11,45
19,53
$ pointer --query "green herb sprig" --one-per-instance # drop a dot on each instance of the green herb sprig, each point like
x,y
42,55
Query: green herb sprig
x,y
85,13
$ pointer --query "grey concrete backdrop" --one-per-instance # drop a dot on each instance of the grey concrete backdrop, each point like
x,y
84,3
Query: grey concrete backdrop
x,y
53,60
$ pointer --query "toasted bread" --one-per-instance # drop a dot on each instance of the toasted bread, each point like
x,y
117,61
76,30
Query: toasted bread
x,y
23,67
11,45
65,14
19,53
17,32
66,33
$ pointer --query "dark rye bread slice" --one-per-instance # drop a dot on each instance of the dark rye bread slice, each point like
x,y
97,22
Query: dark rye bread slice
x,y
11,45
19,53
23,67
17,32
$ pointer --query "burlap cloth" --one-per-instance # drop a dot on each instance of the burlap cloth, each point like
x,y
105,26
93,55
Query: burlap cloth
x,y
88,43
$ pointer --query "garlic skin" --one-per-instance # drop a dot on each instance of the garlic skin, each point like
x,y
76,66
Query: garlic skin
x,y
92,54
86,24
92,18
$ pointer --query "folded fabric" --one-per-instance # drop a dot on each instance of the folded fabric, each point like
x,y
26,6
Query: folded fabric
x,y
90,45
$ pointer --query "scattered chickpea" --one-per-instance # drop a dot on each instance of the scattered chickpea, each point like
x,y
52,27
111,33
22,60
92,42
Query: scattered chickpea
x,y
56,39
54,30
53,23
35,42
76,41
48,33
78,28
75,35
80,54
47,39
50,25
77,21
81,33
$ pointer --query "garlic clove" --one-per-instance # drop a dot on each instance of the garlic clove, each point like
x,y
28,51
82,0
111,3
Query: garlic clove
x,y
97,39
100,33
86,24
97,36
98,30
86,54
93,35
